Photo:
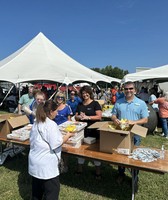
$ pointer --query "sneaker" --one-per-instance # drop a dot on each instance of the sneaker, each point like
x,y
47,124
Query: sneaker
x,y
162,134
166,137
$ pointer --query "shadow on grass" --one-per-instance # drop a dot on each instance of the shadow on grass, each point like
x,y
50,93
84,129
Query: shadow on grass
x,y
19,164
106,187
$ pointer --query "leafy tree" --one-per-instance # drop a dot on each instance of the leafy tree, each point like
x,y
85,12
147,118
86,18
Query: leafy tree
x,y
115,72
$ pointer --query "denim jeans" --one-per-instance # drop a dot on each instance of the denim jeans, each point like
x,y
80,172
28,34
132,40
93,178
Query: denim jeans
x,y
164,126
137,140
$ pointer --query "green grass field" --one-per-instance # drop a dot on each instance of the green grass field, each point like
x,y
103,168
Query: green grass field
x,y
15,183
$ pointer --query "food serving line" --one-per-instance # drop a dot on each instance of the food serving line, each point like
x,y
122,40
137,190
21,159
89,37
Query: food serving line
x,y
92,151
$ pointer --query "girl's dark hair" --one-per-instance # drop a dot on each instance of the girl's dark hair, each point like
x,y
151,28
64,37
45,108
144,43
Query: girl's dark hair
x,y
88,90
44,109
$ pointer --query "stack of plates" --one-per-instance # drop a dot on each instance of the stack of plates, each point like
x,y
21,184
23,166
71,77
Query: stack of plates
x,y
20,134
78,137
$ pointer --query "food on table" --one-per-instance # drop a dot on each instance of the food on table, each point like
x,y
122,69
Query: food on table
x,y
70,128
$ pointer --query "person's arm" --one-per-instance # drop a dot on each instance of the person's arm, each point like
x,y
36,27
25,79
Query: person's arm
x,y
115,120
55,137
19,109
20,103
151,102
69,118
98,116
67,136
139,122
77,114
114,117
78,117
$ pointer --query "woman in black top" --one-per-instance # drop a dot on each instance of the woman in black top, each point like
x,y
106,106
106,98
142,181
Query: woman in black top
x,y
88,111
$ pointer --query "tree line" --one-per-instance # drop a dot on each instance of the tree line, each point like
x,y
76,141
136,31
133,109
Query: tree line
x,y
115,72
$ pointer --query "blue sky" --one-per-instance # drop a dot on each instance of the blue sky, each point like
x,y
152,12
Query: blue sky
x,y
122,33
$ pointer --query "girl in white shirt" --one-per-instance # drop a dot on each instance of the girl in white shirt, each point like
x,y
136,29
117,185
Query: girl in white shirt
x,y
45,142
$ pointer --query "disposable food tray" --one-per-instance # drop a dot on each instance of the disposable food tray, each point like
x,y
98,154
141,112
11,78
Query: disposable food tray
x,y
79,126
20,134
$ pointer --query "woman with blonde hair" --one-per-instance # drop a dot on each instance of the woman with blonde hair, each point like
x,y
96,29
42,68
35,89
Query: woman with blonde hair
x,y
64,111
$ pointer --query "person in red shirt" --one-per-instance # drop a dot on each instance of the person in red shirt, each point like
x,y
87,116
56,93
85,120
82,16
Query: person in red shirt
x,y
113,94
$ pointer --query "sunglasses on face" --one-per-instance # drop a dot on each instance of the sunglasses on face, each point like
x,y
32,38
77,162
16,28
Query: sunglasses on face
x,y
72,94
126,89
58,97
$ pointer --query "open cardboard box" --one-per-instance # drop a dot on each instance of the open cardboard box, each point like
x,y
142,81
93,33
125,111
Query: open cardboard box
x,y
117,141
11,121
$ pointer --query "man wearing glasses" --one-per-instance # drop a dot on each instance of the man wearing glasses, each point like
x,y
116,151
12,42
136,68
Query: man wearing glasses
x,y
73,102
134,110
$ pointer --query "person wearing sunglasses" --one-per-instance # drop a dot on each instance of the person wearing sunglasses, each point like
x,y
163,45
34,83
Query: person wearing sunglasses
x,y
73,101
134,110
64,111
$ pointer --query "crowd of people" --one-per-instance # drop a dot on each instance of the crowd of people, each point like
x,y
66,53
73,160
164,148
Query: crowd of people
x,y
46,114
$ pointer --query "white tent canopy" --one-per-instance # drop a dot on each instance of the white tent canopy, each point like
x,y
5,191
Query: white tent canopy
x,y
40,59
159,74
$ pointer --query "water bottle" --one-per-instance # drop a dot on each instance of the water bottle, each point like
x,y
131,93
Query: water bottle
x,y
162,152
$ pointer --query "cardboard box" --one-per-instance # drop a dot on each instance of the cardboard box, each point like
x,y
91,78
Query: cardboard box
x,y
9,122
117,141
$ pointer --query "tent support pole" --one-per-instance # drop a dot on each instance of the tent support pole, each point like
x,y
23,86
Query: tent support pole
x,y
6,95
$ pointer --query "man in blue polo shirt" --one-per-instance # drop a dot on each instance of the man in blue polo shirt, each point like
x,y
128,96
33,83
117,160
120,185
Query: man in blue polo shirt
x,y
134,110
74,101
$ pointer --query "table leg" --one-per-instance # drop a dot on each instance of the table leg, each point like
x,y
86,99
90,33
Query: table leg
x,y
0,152
134,181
